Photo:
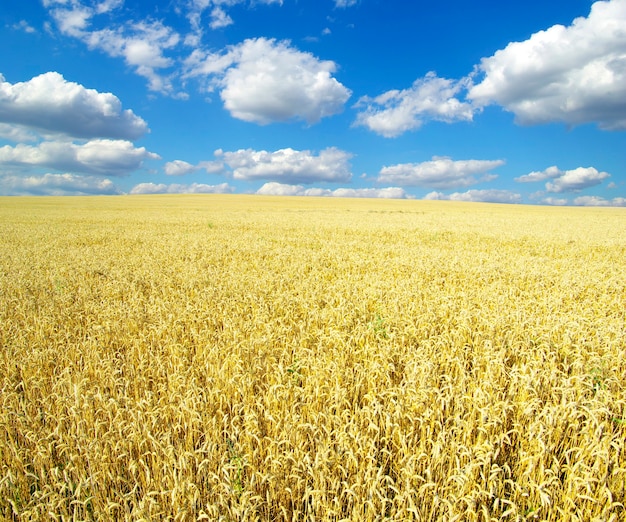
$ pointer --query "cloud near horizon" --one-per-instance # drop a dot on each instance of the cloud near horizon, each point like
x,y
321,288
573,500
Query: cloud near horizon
x,y
282,189
177,188
485,196
289,165
99,157
56,185
440,172
573,180
49,104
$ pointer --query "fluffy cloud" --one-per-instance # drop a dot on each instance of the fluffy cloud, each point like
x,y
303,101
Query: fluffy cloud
x,y
280,189
142,45
440,172
557,202
488,196
49,103
56,185
293,166
16,133
577,179
179,168
549,173
574,74
175,188
345,3
596,201
264,81
566,180
96,157
430,98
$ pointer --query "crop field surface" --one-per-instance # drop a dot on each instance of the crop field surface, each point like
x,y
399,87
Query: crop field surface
x,y
245,358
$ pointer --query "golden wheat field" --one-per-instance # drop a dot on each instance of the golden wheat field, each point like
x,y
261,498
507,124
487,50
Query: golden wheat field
x,y
252,358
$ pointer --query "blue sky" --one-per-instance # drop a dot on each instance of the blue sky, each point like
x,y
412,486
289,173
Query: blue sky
x,y
476,101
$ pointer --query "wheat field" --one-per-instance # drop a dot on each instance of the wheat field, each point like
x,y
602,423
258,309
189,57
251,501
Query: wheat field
x,y
246,358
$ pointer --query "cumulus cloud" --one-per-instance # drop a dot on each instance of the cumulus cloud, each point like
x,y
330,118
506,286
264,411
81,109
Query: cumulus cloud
x,y
96,157
142,45
281,189
429,98
574,74
175,188
487,196
49,103
573,180
597,201
576,180
16,133
440,172
56,185
566,180
549,173
293,166
557,202
263,81
179,168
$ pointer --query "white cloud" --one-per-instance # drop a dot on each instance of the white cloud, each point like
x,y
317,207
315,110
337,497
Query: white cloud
x,y
345,3
218,13
574,74
175,188
16,133
566,180
281,189
549,173
212,167
142,45
293,166
557,202
74,20
108,5
179,168
487,196
96,157
49,103
56,185
387,193
430,98
576,179
597,201
440,172
264,81
220,19
23,25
